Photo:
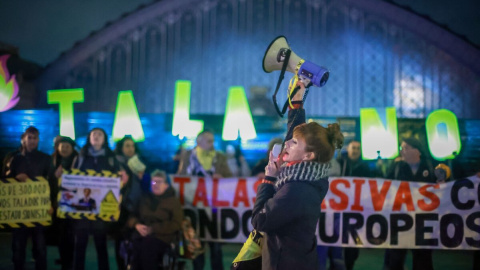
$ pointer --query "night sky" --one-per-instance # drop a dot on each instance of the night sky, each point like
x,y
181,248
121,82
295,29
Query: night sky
x,y
43,29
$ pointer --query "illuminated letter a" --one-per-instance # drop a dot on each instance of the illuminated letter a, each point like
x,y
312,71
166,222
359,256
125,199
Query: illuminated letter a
x,y
127,121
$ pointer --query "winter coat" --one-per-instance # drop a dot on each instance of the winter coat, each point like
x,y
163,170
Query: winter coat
x,y
358,168
400,170
162,213
288,212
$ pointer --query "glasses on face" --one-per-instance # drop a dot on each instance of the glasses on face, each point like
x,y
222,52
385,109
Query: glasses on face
x,y
158,182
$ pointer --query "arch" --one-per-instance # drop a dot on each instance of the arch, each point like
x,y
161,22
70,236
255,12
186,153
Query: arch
x,y
367,45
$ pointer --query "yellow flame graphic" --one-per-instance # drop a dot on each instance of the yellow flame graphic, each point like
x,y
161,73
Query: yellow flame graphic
x,y
8,86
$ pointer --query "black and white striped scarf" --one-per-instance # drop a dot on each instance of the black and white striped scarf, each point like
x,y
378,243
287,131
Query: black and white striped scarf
x,y
308,171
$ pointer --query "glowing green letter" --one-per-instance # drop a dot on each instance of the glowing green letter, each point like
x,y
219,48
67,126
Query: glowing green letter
x,y
182,125
238,117
65,99
127,121
443,134
379,137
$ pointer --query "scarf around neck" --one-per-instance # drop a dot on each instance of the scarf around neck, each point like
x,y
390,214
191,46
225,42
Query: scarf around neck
x,y
94,153
205,157
305,171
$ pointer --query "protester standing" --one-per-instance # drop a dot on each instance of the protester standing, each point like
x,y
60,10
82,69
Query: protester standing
x,y
95,155
127,154
62,159
205,161
352,165
287,206
414,167
25,164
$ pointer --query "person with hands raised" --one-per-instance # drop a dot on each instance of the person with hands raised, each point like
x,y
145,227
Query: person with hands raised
x,y
287,206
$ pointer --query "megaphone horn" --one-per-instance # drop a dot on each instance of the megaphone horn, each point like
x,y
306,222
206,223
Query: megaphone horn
x,y
306,71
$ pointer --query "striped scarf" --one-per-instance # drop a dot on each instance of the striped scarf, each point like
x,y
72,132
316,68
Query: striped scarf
x,y
308,171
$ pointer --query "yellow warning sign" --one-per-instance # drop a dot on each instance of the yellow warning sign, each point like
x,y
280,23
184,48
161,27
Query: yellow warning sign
x,y
109,204
24,203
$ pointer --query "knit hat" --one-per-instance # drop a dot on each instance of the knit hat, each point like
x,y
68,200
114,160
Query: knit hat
x,y
65,139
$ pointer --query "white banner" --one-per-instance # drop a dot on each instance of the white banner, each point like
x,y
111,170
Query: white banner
x,y
92,197
357,212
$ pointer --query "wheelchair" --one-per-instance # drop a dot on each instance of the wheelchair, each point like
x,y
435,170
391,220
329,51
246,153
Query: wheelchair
x,y
171,259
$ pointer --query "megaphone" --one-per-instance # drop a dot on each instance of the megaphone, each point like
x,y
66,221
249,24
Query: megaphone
x,y
279,51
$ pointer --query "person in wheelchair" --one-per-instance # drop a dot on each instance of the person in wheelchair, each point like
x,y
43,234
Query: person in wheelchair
x,y
157,223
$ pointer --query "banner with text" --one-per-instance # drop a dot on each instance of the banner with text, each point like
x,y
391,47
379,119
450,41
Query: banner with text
x,y
357,212
24,204
93,196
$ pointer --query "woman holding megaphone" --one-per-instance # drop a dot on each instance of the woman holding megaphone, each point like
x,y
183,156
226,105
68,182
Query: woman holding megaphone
x,y
287,207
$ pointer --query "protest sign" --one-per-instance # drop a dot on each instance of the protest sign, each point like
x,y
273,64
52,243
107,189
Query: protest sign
x,y
89,195
24,204
357,212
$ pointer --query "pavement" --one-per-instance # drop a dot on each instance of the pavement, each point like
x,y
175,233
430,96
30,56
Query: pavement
x,y
369,259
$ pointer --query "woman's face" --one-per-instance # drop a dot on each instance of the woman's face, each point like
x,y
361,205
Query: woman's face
x,y
159,185
128,148
65,149
97,138
295,150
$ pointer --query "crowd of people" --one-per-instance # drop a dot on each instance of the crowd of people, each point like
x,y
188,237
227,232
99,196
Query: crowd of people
x,y
152,216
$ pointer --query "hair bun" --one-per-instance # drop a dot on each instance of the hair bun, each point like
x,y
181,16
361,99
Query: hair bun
x,y
335,136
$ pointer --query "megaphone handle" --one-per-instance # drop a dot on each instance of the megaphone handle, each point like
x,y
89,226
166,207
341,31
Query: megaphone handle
x,y
285,106
280,79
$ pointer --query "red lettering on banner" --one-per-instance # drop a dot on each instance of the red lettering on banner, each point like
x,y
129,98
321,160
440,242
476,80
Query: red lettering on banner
x,y
324,205
342,205
181,187
403,196
241,194
201,193
215,201
430,195
255,187
358,194
378,198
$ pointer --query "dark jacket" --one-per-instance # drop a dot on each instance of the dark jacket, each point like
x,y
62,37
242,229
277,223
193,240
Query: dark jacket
x,y
107,162
288,217
33,164
358,168
289,223
66,164
163,213
400,170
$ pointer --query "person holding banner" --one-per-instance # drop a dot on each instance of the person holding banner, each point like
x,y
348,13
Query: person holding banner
x,y
287,206
352,164
29,163
205,161
413,166
95,155
62,229
157,223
